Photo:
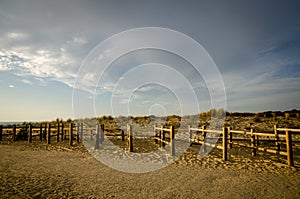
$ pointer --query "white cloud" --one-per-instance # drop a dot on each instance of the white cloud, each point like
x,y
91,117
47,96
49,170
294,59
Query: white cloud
x,y
39,63
26,81
78,40
16,35
11,86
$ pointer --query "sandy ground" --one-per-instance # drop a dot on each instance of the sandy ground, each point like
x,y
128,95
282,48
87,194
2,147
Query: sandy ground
x,y
38,170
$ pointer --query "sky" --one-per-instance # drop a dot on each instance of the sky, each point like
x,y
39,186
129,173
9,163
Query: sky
x,y
52,56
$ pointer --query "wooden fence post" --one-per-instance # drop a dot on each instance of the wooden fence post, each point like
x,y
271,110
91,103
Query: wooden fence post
x,y
97,136
276,138
102,133
58,129
78,131
49,134
257,140
225,134
26,129
253,153
129,134
154,127
163,137
30,133
204,135
81,131
190,135
41,132
160,135
123,135
289,148
45,131
91,134
14,133
62,131
1,131
230,137
172,143
71,134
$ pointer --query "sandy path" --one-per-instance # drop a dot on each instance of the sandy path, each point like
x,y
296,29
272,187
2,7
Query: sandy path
x,y
28,172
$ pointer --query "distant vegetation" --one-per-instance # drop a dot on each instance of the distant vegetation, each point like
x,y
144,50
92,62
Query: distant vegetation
x,y
203,118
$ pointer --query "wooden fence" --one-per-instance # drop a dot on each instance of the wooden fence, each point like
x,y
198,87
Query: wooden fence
x,y
100,129
43,132
163,135
227,140
167,136
160,135
111,132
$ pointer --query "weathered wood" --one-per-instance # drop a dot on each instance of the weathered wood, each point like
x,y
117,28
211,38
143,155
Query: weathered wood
x,y
190,135
71,134
213,131
45,131
259,134
49,134
62,131
210,145
253,153
81,131
257,140
261,149
230,137
237,131
91,134
78,132
58,129
287,129
172,142
225,134
41,132
277,144
14,131
102,133
155,134
289,148
123,135
166,129
163,137
204,136
129,134
158,128
160,134
1,132
97,145
160,140
30,133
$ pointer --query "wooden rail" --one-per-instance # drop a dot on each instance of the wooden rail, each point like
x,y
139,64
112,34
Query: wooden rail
x,y
161,137
254,140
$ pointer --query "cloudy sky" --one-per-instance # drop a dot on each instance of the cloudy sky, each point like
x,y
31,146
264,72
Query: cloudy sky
x,y
48,51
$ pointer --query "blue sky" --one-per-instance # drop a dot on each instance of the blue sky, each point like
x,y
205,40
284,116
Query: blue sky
x,y
254,44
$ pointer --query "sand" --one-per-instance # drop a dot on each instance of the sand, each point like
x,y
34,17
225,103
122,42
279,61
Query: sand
x,y
38,170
